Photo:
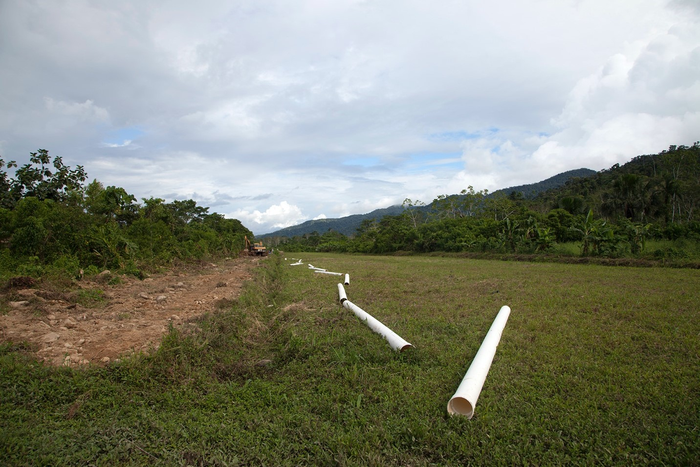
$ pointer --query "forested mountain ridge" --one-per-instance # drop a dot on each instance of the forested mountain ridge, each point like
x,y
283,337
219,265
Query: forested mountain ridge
x,y
348,225
662,188
534,189
344,225
611,213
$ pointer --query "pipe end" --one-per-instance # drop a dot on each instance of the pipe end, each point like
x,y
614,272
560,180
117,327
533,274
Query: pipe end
x,y
460,406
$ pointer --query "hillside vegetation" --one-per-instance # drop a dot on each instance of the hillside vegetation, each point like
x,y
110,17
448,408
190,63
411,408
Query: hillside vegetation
x,y
350,224
645,208
52,222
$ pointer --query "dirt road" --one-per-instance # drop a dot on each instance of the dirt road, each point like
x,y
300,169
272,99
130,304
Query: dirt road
x,y
100,322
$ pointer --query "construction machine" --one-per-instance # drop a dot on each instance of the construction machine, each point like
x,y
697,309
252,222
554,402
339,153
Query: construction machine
x,y
255,249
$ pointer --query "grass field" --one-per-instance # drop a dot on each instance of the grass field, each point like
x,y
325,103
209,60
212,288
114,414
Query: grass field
x,y
597,365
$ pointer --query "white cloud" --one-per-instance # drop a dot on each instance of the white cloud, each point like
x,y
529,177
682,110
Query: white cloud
x,y
84,112
277,216
638,103
259,108
123,144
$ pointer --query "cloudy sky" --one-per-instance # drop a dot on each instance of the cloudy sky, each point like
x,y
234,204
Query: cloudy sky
x,y
280,111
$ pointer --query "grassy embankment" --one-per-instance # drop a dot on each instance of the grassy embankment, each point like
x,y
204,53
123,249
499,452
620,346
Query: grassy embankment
x,y
596,365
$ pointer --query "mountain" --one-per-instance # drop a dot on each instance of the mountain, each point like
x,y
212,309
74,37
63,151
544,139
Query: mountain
x,y
348,225
532,190
344,225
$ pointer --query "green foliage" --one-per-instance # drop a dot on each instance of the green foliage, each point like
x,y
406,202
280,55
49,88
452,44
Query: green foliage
x,y
50,223
90,297
612,213
38,180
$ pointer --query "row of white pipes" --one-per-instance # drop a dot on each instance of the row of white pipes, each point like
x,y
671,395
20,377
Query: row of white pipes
x,y
464,399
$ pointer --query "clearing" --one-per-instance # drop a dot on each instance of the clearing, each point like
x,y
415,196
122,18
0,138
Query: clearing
x,y
98,322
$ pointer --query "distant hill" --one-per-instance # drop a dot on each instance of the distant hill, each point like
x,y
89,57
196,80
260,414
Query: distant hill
x,y
348,225
532,190
344,225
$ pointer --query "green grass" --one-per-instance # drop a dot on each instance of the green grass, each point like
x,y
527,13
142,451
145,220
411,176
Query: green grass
x,y
90,297
597,365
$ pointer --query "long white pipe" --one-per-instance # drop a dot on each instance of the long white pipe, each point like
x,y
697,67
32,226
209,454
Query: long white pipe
x,y
329,272
347,279
464,399
395,341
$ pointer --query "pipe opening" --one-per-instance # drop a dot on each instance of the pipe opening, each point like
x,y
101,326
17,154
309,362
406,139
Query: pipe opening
x,y
460,406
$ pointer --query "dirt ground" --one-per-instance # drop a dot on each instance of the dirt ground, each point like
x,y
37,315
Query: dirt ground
x,y
98,322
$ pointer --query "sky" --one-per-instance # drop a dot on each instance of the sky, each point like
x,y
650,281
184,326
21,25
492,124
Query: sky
x,y
275,112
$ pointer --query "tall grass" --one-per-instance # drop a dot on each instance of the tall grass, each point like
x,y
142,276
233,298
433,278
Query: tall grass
x,y
596,365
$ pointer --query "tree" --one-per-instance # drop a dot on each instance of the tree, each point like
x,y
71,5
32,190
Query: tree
x,y
472,201
113,204
587,229
187,211
38,180
410,210
501,206
5,184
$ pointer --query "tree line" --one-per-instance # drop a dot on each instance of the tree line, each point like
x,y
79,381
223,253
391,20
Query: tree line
x,y
50,218
611,213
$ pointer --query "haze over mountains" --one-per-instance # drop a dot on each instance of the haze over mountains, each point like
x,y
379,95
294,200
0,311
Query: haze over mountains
x,y
349,224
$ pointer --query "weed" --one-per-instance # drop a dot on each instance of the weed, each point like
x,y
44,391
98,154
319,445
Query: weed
x,y
90,298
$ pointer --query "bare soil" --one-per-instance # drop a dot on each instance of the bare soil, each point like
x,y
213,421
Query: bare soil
x,y
97,322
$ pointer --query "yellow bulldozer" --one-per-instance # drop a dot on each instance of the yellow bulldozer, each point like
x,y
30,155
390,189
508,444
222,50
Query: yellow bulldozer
x,y
254,249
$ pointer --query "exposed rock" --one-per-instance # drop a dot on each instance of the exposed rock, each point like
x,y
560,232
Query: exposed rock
x,y
20,304
144,295
51,337
70,323
161,298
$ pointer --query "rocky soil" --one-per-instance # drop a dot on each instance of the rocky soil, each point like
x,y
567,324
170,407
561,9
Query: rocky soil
x,y
106,317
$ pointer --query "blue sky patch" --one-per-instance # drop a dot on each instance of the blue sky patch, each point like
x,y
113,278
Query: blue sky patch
x,y
450,136
427,160
122,136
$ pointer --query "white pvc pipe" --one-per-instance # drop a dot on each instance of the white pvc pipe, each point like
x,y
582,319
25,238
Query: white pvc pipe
x,y
395,341
464,399
347,279
323,271
341,293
